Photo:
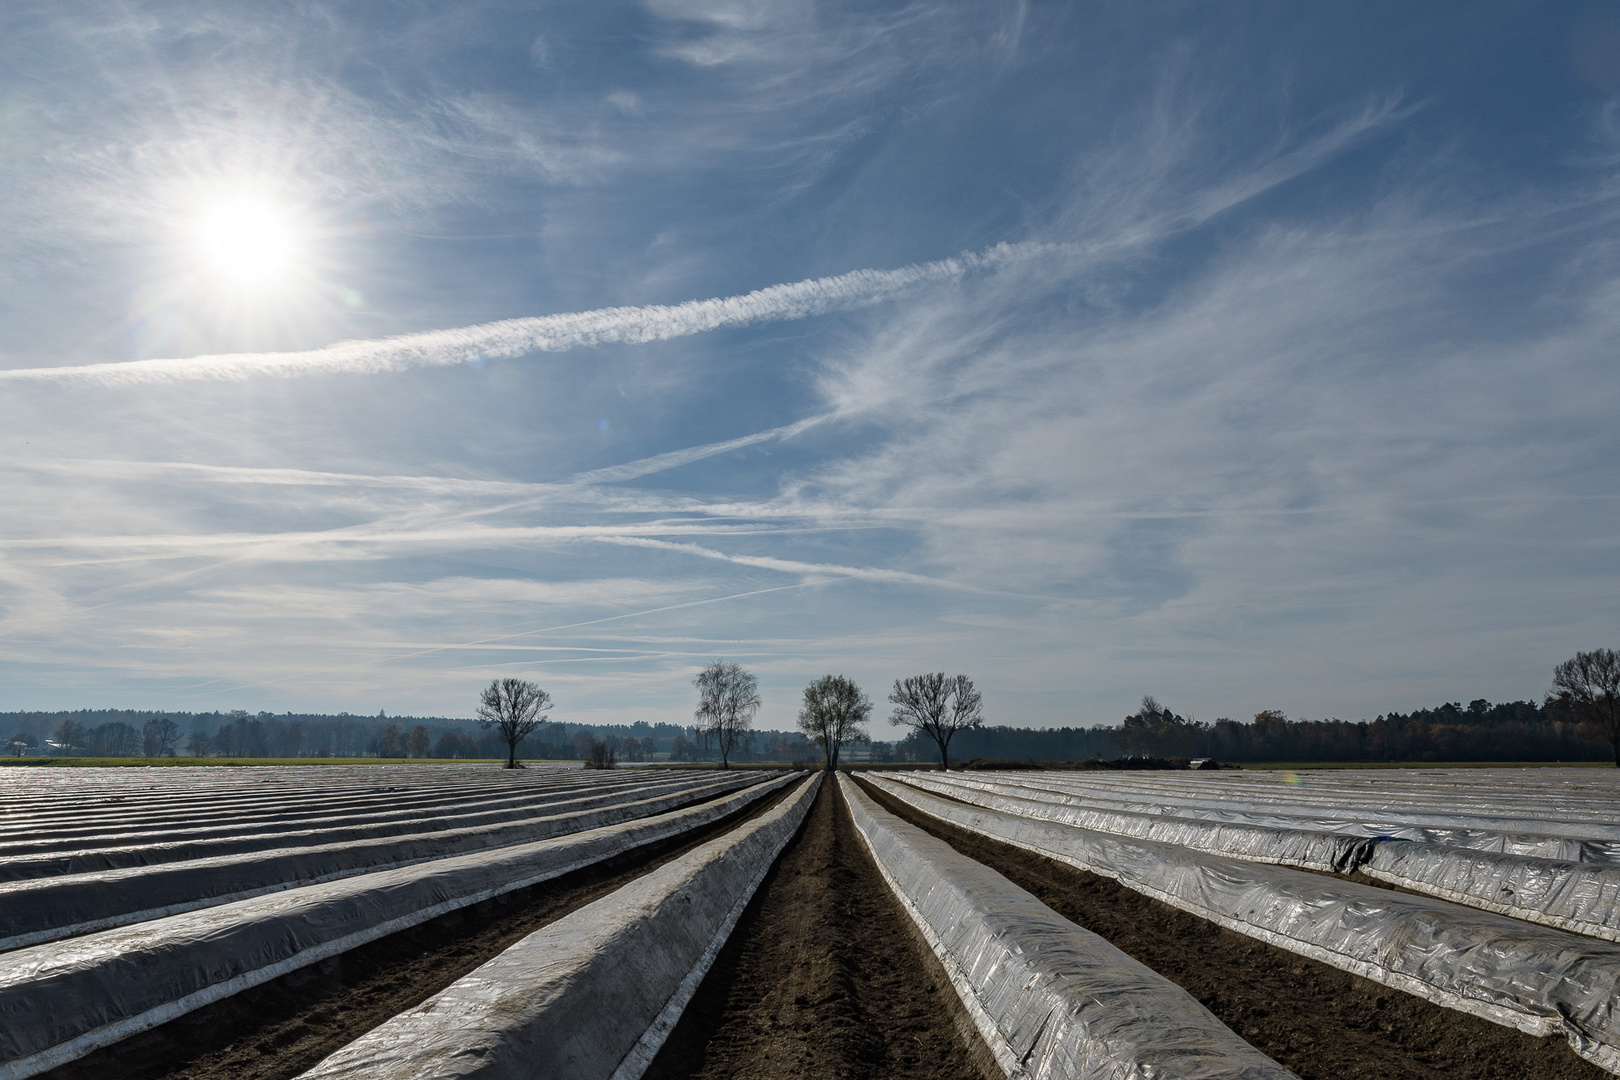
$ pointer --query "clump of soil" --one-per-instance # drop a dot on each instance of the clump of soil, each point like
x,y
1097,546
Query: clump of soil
x,y
1323,1023
826,978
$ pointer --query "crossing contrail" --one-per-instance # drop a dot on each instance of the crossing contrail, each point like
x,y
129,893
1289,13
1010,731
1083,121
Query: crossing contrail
x,y
549,333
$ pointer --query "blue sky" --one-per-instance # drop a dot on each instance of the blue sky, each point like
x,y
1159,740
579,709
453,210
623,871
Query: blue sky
x,y
1249,355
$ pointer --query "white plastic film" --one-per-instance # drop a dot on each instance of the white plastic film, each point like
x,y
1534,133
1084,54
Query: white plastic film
x,y
1539,980
1326,851
1583,897
1052,1001
593,995
1549,813
46,909
62,1000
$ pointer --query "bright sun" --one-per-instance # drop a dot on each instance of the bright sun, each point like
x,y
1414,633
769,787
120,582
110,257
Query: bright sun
x,y
250,242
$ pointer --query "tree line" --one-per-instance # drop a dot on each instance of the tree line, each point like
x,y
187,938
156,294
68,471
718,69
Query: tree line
x,y
239,734
1477,731
834,712
1577,720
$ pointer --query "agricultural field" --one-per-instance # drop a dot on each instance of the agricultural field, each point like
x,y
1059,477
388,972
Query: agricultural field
x,y
383,922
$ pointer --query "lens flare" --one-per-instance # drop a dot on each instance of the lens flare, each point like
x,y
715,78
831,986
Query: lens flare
x,y
249,242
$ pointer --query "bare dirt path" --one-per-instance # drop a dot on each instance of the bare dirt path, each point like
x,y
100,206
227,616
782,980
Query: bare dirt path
x,y
1323,1023
824,978
283,1028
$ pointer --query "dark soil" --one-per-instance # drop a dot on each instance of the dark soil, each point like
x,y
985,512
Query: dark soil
x,y
825,977
1323,1023
286,1026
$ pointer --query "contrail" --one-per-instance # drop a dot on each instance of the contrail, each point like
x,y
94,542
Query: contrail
x,y
441,485
661,322
634,470
550,333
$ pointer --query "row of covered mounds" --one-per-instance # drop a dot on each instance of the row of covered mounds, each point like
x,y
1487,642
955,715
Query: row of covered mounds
x,y
1050,999
1551,812
69,797
593,995
1582,896
62,1000
1539,980
205,841
46,909
96,836
1309,848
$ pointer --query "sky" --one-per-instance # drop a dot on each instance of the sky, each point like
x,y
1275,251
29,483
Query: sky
x,y
1251,355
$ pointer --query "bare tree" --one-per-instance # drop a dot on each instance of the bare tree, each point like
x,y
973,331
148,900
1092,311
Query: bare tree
x,y
937,705
418,742
158,737
728,698
602,754
389,744
1589,687
834,710
514,707
70,736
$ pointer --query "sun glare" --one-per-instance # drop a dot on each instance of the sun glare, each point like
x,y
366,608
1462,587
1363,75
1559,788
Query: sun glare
x,y
250,242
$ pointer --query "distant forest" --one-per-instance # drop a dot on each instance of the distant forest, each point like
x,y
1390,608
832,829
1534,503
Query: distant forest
x,y
1479,731
239,734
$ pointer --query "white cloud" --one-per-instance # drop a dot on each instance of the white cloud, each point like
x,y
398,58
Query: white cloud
x,y
549,333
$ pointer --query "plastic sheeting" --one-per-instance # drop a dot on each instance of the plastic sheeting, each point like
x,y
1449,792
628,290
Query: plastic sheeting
x,y
209,830
1493,808
1575,840
1330,852
98,800
1582,897
1050,999
1554,793
52,908
62,1000
1539,980
205,823
1519,801
593,995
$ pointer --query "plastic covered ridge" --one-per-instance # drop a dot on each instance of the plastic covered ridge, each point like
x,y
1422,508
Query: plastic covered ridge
x,y
1331,852
199,804
1515,811
49,908
593,995
1580,897
1539,980
62,1000
1052,1001
52,849
1583,897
